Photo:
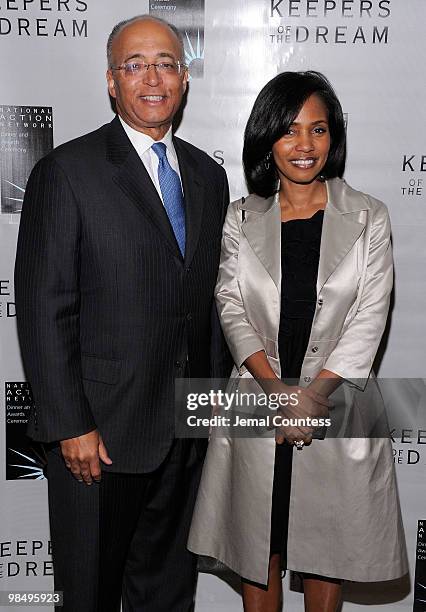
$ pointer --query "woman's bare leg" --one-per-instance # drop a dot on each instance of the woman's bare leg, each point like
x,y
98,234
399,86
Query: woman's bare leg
x,y
321,594
265,599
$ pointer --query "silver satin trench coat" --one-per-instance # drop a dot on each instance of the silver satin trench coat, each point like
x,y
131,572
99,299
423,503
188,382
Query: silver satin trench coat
x,y
345,519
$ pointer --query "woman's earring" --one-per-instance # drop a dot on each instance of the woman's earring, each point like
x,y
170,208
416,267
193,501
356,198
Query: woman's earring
x,y
267,160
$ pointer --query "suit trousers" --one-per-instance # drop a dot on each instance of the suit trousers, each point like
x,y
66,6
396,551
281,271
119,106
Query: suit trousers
x,y
124,539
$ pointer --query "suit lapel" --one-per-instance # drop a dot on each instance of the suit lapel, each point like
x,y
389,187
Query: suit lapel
x,y
193,188
133,179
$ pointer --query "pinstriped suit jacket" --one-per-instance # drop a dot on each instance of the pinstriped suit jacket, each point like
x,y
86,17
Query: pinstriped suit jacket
x,y
108,311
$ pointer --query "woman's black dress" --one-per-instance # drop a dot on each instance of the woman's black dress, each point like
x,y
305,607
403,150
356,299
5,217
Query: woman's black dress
x,y
300,249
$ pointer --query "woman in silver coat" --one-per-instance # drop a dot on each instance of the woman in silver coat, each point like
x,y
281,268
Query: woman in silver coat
x,y
303,292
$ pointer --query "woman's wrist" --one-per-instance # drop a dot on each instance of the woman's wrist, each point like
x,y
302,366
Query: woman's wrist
x,y
326,383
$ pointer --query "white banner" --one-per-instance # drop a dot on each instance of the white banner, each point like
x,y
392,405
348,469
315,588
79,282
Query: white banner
x,y
52,81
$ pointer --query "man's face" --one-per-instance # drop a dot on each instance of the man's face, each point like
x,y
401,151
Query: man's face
x,y
147,101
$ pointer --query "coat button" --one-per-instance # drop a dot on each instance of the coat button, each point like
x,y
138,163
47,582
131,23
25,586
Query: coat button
x,y
320,301
189,316
307,379
178,364
314,349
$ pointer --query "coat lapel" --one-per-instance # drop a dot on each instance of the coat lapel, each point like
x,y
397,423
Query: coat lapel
x,y
193,188
262,228
133,179
341,227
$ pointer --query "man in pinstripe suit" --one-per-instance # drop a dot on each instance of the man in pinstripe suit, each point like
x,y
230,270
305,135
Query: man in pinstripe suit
x,y
116,265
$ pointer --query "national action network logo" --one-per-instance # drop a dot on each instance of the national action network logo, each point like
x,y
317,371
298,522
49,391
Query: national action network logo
x,y
26,135
420,571
188,17
25,460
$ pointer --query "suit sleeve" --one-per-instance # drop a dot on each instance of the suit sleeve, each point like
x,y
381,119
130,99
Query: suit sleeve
x,y
354,354
241,337
47,300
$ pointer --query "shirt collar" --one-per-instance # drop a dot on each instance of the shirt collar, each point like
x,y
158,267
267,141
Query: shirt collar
x,y
142,142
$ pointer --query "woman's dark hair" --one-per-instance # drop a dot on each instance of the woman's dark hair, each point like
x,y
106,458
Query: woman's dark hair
x,y
275,109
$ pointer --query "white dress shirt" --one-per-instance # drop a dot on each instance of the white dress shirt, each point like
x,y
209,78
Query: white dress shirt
x,y
143,143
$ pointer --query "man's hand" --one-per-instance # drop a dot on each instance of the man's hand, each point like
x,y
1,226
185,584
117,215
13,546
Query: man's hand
x,y
82,456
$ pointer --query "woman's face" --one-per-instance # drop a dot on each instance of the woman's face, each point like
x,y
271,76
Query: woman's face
x,y
302,152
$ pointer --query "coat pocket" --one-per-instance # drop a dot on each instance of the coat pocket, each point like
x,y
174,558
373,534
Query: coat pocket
x,y
100,370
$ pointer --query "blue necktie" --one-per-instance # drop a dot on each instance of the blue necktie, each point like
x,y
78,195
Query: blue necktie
x,y
171,191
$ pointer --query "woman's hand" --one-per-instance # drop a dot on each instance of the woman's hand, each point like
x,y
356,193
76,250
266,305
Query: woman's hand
x,y
302,405
309,402
308,405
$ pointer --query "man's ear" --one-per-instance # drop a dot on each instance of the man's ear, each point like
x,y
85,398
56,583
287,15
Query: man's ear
x,y
185,80
111,83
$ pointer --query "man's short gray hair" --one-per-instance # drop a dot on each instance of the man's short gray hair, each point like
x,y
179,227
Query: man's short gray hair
x,y
123,24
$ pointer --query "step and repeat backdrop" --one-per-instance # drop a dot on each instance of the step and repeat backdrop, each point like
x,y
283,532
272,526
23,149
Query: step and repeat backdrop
x,y
52,89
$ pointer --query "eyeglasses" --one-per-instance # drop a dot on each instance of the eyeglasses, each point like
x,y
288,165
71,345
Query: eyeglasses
x,y
138,68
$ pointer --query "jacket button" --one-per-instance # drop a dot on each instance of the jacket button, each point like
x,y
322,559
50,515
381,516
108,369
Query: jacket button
x,y
178,364
314,349
320,301
307,379
189,317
